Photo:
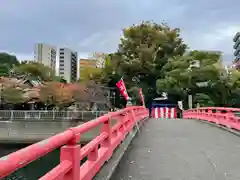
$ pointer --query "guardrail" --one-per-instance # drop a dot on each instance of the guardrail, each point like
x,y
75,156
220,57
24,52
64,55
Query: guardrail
x,y
49,115
228,117
98,151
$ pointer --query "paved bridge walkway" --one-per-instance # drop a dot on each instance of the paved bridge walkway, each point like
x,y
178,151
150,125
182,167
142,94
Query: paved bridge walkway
x,y
181,150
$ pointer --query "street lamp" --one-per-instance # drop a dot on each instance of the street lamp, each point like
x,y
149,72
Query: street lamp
x,y
196,64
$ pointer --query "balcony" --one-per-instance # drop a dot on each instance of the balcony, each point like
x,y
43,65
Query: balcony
x,y
236,60
237,52
237,44
236,37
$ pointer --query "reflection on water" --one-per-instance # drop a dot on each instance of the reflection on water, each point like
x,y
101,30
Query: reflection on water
x,y
34,170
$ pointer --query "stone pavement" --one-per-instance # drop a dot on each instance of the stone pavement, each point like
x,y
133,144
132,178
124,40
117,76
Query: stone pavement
x,y
181,150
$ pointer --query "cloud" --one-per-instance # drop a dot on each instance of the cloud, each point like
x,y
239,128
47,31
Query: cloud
x,y
105,41
89,26
219,37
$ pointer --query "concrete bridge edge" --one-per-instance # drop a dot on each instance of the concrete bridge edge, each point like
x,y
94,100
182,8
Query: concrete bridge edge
x,y
109,167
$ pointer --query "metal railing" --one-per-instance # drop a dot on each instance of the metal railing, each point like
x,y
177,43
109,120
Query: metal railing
x,y
6,115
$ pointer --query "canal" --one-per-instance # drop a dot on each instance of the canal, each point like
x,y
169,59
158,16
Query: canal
x,y
38,168
34,170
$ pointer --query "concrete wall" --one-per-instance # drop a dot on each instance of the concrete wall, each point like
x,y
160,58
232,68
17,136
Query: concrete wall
x,y
33,131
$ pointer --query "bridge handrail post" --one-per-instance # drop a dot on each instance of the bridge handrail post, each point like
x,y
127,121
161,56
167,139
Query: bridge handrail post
x,y
71,152
107,143
11,115
133,118
98,151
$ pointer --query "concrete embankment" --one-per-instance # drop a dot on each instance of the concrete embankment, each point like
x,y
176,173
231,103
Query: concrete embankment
x,y
28,132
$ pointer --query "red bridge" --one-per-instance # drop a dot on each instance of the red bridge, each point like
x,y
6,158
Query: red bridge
x,y
204,145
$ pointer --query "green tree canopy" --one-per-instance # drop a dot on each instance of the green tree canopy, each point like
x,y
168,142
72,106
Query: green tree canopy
x,y
7,62
179,73
35,69
203,100
208,78
143,52
12,95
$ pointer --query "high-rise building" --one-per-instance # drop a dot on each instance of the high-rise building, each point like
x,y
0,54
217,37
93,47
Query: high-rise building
x,y
45,54
68,64
236,46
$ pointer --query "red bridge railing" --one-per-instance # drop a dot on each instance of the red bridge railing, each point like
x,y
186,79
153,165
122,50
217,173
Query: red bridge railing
x,y
98,151
229,117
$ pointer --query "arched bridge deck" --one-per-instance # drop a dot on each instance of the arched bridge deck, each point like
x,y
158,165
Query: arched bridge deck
x,y
181,150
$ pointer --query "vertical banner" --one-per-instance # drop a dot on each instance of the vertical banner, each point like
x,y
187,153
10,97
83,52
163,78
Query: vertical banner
x,y
121,86
141,96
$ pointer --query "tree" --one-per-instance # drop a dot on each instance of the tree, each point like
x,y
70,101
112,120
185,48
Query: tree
x,y
232,81
7,62
179,76
100,58
144,50
203,100
57,94
94,73
97,93
59,79
99,75
109,69
134,94
91,73
105,76
35,69
79,92
12,95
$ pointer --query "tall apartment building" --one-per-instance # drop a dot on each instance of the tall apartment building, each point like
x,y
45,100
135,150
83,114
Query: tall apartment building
x,y
68,64
236,53
45,54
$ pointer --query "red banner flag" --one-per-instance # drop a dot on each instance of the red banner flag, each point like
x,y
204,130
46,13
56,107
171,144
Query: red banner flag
x,y
141,96
120,84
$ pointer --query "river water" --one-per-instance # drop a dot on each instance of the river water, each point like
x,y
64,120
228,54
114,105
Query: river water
x,y
34,170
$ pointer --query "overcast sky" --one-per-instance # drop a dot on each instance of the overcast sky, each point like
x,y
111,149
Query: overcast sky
x,y
96,25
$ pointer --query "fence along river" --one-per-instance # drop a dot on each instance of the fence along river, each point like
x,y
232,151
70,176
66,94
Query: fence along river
x,y
19,128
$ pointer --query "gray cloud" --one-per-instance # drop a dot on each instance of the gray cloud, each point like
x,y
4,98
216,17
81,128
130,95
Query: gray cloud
x,y
88,26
